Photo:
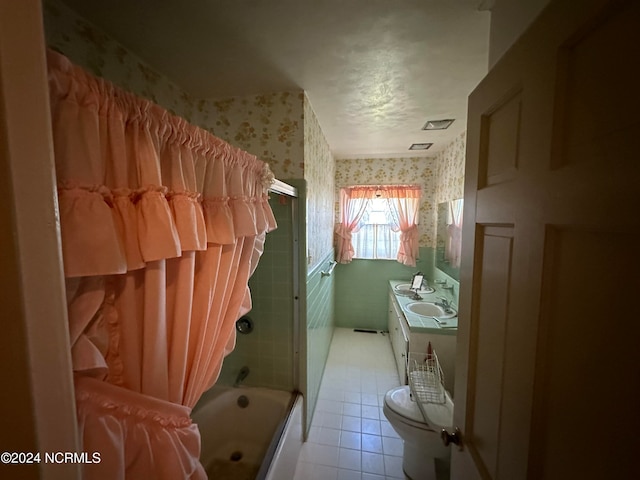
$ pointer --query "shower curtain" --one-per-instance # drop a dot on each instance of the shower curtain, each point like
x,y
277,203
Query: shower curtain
x,y
162,225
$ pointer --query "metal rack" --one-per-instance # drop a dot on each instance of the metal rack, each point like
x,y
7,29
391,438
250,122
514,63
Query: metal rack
x,y
426,379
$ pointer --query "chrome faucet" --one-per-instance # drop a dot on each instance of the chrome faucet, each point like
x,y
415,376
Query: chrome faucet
x,y
444,303
244,373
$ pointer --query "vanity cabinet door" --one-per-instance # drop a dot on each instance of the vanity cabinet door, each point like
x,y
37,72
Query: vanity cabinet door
x,y
391,322
399,339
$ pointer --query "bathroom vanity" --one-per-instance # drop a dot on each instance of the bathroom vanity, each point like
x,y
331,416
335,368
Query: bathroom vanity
x,y
410,332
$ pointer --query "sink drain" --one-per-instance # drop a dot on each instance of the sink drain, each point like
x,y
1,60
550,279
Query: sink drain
x,y
236,456
243,401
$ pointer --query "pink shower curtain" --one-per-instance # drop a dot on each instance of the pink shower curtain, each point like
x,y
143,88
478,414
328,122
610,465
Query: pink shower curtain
x,y
162,225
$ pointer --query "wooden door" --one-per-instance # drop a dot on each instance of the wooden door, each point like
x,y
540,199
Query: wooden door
x,y
548,365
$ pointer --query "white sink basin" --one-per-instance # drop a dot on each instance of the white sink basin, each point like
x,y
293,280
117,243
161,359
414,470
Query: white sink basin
x,y
426,309
405,289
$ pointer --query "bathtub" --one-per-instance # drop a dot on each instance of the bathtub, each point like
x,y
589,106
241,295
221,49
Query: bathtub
x,y
249,433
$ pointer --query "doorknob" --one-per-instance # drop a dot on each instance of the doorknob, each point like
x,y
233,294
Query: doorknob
x,y
455,437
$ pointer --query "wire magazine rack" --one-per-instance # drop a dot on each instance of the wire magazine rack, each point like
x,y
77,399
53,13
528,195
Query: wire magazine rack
x,y
426,379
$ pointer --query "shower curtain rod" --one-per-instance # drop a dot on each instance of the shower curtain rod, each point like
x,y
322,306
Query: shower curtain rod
x,y
283,188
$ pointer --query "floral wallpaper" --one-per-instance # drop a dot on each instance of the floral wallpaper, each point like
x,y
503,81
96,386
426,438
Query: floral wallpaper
x,y
269,126
86,45
319,172
283,130
451,170
441,178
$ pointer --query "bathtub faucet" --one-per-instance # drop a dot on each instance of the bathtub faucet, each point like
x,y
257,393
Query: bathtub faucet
x,y
244,373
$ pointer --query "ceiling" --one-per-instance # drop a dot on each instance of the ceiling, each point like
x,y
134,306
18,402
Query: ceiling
x,y
375,71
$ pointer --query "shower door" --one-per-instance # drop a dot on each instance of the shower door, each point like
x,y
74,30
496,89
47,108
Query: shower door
x,y
269,351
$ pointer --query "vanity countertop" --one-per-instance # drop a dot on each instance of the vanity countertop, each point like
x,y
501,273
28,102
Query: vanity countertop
x,y
418,323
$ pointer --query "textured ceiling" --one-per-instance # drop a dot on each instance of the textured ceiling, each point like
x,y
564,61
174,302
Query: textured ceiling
x,y
374,70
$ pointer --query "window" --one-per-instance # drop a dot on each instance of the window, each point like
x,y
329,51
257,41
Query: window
x,y
376,236
378,222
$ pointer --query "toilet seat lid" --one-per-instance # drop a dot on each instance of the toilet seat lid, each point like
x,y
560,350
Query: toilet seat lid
x,y
438,415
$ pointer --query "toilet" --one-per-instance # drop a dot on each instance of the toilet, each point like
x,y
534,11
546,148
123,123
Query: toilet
x,y
421,438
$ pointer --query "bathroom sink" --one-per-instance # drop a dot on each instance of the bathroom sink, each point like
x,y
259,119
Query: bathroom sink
x,y
405,289
426,309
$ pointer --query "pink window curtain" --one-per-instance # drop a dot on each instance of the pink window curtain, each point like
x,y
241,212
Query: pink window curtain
x,y
403,203
353,203
453,247
162,225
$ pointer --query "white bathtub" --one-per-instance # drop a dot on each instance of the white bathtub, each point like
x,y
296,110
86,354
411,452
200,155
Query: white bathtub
x,y
261,440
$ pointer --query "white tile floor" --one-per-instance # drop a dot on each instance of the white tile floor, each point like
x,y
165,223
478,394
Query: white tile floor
x,y
350,438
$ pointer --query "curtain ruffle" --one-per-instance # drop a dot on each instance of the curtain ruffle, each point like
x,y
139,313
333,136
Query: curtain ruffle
x,y
171,445
119,210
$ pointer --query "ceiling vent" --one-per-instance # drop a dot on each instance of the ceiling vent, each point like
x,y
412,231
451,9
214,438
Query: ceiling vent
x,y
438,124
420,146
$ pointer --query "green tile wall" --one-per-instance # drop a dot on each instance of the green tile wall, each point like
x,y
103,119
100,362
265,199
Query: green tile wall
x,y
268,350
319,331
362,286
450,294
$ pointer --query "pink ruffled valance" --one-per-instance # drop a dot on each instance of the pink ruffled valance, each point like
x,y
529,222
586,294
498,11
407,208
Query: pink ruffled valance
x,y
137,184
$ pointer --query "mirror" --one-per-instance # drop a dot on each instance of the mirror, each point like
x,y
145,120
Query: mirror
x,y
449,237
416,283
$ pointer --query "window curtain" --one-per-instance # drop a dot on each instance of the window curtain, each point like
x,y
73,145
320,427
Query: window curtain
x,y
376,242
353,204
453,247
162,224
403,203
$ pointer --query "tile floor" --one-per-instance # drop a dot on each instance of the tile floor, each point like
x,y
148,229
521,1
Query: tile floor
x,y
350,438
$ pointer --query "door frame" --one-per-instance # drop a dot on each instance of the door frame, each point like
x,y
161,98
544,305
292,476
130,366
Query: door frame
x,y
36,340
